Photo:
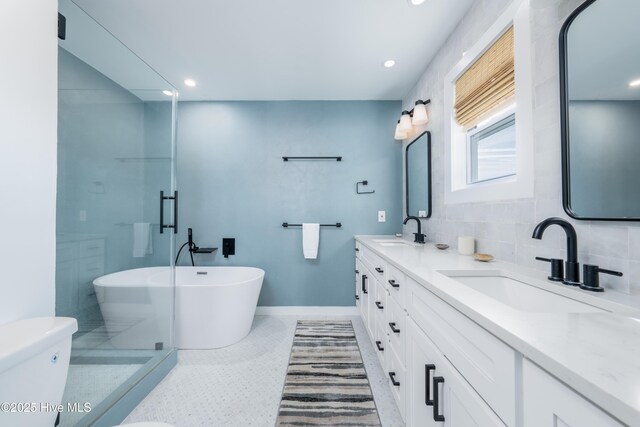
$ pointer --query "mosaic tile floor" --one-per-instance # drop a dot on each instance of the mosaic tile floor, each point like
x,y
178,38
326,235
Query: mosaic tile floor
x,y
92,383
241,385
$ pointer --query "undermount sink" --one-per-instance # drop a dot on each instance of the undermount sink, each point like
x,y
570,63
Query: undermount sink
x,y
518,294
392,242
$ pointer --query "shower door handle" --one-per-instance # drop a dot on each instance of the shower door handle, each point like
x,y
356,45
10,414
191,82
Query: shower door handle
x,y
175,212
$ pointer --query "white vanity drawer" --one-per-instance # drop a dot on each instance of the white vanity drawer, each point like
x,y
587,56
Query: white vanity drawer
x,y
550,403
381,343
396,284
89,248
396,377
376,264
483,360
396,323
90,269
380,303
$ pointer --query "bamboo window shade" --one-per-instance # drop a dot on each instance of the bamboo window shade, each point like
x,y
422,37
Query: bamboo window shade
x,y
487,84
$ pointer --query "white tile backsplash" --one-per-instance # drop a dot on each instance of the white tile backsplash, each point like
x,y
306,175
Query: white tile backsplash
x,y
504,228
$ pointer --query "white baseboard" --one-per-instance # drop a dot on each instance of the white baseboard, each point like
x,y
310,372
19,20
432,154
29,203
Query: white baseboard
x,y
307,311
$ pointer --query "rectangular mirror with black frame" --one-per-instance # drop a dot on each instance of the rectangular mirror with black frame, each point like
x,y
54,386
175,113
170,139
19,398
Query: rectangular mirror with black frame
x,y
418,176
600,111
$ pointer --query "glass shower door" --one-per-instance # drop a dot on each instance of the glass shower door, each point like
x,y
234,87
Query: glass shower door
x,y
116,154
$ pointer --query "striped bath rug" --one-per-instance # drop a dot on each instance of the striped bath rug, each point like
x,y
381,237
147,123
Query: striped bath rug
x,y
326,383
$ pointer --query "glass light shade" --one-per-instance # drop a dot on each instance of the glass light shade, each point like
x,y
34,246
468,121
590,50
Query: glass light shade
x,y
420,116
399,135
405,122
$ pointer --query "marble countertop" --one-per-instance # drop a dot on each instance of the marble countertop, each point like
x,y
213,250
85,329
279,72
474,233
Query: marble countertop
x,y
596,354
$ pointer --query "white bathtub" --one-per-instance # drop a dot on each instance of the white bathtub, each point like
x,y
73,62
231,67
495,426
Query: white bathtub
x,y
214,306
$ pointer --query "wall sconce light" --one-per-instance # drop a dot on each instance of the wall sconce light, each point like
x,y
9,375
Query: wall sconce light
x,y
399,135
420,116
408,119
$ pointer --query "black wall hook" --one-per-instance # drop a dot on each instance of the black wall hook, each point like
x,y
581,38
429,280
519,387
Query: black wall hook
x,y
365,182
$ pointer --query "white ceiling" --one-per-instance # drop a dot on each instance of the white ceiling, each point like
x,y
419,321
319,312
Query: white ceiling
x,y
278,49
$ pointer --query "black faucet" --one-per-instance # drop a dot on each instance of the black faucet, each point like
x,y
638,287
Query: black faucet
x,y
572,267
419,236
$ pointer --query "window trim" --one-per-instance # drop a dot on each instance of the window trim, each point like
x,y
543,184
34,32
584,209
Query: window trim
x,y
518,186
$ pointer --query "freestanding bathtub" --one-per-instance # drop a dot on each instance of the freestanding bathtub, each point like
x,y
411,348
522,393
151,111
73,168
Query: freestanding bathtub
x,y
214,306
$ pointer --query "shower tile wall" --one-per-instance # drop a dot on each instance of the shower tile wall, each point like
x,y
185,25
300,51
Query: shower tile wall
x,y
504,228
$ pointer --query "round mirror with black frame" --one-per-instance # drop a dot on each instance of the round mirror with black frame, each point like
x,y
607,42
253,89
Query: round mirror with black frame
x,y
418,176
600,111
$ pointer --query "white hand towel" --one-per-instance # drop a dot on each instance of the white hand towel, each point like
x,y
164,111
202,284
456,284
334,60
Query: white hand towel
x,y
310,240
142,244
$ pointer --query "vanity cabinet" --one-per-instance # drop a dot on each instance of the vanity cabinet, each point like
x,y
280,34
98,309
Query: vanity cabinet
x,y
438,394
446,370
488,364
78,262
402,311
550,403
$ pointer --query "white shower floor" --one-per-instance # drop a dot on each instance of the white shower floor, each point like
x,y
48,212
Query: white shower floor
x,y
92,383
241,385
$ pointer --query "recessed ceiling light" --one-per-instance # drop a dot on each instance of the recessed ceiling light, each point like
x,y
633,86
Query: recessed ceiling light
x,y
635,83
416,2
167,92
389,63
190,82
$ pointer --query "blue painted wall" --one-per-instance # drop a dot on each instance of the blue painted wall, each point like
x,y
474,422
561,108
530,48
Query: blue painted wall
x,y
233,183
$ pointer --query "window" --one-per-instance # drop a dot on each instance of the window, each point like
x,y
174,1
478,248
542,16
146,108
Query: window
x,y
489,113
492,150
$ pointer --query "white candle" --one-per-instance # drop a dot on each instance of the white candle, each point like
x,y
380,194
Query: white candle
x,y
466,245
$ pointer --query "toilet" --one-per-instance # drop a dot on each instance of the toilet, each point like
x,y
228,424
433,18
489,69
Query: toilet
x,y
34,361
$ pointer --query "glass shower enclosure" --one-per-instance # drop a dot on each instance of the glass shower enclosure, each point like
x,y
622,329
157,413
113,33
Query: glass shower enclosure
x,y
115,271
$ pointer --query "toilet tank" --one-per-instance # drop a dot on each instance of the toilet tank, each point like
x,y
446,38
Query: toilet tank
x,y
34,361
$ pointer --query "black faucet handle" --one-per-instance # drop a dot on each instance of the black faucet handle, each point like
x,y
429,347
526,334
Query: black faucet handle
x,y
557,268
419,238
591,277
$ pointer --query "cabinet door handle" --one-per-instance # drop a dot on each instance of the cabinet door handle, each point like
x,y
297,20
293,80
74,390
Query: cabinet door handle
x,y
379,270
392,375
357,297
357,271
427,383
364,284
357,250
392,325
394,284
436,399
378,344
379,305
